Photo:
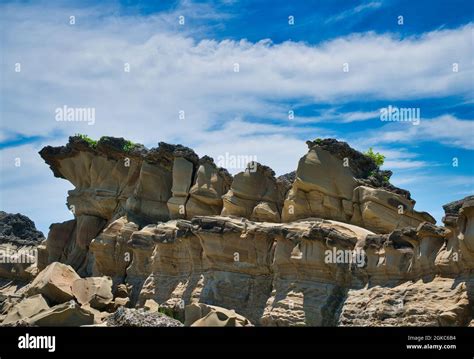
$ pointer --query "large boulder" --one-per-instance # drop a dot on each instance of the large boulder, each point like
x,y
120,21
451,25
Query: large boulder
x,y
203,315
54,282
95,291
26,308
68,314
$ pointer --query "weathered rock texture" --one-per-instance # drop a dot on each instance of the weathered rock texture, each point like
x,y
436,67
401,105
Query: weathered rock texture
x,y
113,178
333,243
336,182
19,241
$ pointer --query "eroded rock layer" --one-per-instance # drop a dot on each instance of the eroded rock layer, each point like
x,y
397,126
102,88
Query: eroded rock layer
x,y
332,243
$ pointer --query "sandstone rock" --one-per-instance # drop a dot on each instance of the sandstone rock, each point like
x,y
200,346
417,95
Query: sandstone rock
x,y
95,291
99,317
147,204
333,243
151,305
327,186
152,189
203,315
28,307
54,282
112,254
466,223
68,242
61,237
183,175
211,183
165,258
121,302
452,210
198,185
87,228
458,255
383,211
104,174
117,303
68,314
254,194
441,302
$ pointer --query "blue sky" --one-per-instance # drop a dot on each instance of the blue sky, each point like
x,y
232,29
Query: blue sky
x,y
282,67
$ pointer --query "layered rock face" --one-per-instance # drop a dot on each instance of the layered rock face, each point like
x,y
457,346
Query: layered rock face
x,y
254,194
333,181
113,178
310,272
333,243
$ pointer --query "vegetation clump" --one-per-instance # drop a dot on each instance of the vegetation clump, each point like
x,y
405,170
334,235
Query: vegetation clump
x,y
378,158
86,138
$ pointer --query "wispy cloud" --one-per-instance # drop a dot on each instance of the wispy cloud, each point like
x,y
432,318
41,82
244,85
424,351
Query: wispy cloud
x,y
171,71
445,129
356,10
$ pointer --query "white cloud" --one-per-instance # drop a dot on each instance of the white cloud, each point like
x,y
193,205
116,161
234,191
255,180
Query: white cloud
x,y
354,11
446,129
82,65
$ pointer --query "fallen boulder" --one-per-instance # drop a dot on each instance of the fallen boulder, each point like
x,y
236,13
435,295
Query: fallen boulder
x,y
203,315
68,314
27,308
95,291
54,282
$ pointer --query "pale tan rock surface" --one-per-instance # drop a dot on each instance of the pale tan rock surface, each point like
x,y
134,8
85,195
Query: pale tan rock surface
x,y
326,186
54,282
28,307
112,253
94,291
211,183
254,194
151,305
203,315
68,314
440,302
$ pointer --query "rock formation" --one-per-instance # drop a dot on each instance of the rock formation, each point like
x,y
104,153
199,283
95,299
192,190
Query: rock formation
x,y
337,182
164,231
19,240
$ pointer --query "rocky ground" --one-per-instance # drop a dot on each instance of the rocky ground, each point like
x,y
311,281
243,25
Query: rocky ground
x,y
161,237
